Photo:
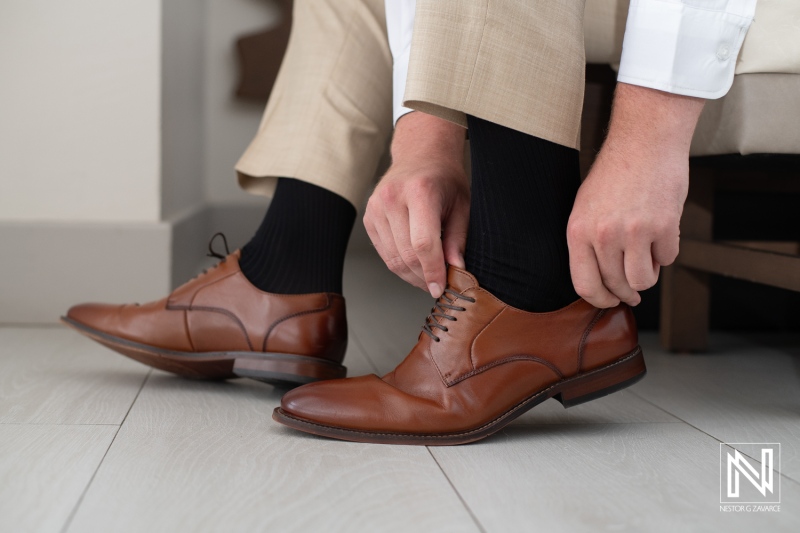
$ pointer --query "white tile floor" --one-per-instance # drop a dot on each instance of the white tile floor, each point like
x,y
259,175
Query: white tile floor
x,y
91,441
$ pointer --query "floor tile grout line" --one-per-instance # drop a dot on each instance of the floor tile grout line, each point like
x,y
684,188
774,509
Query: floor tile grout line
x,y
74,511
364,352
707,433
53,424
461,498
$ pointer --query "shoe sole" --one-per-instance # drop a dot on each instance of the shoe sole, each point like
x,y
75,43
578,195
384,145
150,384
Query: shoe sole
x,y
582,388
281,369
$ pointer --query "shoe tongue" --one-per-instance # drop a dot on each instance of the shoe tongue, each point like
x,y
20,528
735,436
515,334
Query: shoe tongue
x,y
460,280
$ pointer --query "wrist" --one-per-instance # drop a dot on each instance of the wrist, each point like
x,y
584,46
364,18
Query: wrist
x,y
421,137
650,123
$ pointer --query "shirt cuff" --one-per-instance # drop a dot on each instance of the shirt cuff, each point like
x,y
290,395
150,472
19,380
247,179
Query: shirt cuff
x,y
399,76
682,49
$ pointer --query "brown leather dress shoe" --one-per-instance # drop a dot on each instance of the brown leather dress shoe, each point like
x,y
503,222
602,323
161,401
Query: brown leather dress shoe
x,y
220,326
478,365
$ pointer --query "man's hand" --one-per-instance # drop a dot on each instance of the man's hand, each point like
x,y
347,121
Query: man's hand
x,y
417,216
625,222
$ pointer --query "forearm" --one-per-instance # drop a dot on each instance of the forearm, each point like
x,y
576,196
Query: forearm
x,y
420,137
647,124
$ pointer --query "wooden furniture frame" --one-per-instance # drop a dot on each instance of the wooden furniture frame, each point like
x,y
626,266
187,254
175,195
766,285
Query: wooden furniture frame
x,y
685,293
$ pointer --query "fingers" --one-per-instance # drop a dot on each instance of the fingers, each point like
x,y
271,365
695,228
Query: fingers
x,y
665,250
614,260
404,222
394,234
586,277
606,274
454,236
410,245
641,271
426,256
610,261
403,261
380,233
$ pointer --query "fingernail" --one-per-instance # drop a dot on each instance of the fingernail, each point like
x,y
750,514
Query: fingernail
x,y
435,290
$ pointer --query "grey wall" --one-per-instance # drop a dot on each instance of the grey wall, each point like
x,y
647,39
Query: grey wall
x,y
229,124
182,122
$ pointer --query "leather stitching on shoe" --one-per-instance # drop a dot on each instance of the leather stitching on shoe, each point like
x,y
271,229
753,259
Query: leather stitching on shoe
x,y
294,315
217,310
509,359
472,346
582,344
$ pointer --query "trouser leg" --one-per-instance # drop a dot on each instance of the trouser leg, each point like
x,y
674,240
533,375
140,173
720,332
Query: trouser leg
x,y
319,144
518,63
329,116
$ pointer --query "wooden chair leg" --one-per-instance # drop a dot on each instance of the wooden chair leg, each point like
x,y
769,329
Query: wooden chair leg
x,y
684,309
685,292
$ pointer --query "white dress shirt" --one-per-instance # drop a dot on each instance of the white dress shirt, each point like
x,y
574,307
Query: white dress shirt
x,y
684,47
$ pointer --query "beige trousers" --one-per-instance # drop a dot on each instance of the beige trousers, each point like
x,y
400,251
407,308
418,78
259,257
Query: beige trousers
x,y
519,63
329,116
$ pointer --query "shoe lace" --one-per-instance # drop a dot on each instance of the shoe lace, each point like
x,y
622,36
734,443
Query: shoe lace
x,y
441,305
212,253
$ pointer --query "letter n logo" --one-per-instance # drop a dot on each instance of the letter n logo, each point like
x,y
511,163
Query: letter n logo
x,y
737,464
744,479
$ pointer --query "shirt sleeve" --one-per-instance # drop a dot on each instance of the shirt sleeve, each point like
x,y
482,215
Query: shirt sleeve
x,y
400,27
686,47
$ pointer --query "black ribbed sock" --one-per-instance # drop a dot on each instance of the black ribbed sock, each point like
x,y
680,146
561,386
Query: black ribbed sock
x,y
523,189
299,247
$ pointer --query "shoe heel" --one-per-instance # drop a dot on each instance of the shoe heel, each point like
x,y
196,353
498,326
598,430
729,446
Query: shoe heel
x,y
603,381
287,370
